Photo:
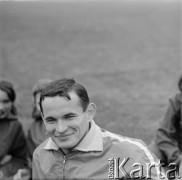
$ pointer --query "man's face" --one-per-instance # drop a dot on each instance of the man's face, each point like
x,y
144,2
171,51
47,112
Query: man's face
x,y
65,120
5,104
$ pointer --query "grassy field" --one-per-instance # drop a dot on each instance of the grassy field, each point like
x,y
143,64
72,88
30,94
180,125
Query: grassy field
x,y
126,53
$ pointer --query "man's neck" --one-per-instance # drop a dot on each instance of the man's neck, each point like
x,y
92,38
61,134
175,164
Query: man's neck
x,y
65,151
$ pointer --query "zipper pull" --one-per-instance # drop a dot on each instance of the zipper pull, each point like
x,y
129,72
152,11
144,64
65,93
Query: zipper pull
x,y
64,159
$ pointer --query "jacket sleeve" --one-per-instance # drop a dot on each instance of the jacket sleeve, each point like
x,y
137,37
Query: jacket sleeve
x,y
167,134
18,151
142,164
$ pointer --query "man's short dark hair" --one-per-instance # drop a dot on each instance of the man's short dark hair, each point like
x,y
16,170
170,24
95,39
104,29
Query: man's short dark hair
x,y
62,88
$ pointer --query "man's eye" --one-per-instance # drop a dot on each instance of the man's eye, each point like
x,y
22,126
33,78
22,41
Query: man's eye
x,y
69,117
50,120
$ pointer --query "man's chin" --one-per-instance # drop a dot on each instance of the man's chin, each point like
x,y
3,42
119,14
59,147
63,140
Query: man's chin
x,y
64,145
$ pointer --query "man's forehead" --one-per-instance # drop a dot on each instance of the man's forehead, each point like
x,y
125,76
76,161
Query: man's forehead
x,y
59,106
61,100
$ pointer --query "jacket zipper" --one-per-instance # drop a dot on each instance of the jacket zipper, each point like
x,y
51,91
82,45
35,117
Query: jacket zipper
x,y
64,164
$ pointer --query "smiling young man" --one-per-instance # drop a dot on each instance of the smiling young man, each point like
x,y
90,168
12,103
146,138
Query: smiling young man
x,y
78,148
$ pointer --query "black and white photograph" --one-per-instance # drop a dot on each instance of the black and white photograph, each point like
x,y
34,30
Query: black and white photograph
x,y
90,89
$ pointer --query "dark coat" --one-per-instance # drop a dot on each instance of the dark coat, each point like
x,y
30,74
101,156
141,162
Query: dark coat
x,y
12,142
168,140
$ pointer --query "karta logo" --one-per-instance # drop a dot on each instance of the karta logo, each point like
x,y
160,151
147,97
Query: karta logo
x,y
122,168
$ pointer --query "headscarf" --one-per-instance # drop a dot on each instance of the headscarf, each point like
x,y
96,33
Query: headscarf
x,y
8,88
37,88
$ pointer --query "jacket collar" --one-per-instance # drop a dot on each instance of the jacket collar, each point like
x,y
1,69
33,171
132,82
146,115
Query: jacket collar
x,y
91,142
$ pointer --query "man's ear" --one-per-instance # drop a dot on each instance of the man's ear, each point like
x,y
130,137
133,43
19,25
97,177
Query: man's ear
x,y
91,110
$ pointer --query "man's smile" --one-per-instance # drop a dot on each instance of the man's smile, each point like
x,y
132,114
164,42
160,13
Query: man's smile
x,y
63,135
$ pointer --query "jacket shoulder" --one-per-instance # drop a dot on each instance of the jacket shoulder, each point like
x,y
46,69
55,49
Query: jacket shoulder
x,y
128,147
39,149
122,140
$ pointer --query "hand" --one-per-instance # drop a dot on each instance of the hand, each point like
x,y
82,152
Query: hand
x,y
5,159
22,174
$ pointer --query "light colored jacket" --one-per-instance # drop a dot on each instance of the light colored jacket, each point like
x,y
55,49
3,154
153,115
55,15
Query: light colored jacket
x,y
100,155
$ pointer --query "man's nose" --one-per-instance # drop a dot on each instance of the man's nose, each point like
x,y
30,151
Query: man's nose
x,y
61,126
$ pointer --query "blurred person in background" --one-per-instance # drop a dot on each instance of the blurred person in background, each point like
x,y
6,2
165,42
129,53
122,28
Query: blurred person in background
x,y
167,144
13,149
37,133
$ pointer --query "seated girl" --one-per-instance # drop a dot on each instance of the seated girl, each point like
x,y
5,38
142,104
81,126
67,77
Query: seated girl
x,y
13,150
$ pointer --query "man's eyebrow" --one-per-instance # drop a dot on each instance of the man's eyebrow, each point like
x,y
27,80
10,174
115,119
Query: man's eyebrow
x,y
69,114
